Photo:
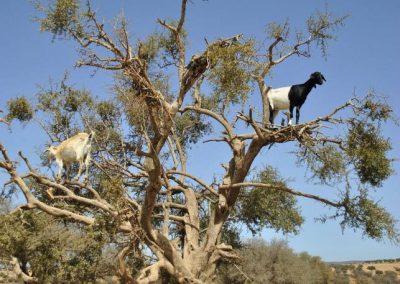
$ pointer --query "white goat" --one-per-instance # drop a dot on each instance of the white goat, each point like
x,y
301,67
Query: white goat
x,y
74,149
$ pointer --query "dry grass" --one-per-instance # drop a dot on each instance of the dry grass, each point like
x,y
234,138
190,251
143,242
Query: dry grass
x,y
378,266
383,266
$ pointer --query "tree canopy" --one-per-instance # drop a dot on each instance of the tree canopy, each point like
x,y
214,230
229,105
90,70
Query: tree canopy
x,y
140,203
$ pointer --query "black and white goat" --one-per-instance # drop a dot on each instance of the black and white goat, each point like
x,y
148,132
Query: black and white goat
x,y
292,97
74,149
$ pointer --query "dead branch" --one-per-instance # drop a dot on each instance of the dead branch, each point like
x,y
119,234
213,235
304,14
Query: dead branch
x,y
3,120
249,120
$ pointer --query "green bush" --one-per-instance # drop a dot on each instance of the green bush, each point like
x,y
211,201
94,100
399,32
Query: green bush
x,y
275,262
20,109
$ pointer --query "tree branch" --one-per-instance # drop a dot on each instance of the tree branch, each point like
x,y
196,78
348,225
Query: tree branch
x,y
196,179
285,189
19,273
215,116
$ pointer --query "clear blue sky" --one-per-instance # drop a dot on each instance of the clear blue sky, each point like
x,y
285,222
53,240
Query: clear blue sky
x,y
364,56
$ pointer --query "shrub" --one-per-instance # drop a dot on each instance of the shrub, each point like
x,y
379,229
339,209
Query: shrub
x,y
275,262
20,109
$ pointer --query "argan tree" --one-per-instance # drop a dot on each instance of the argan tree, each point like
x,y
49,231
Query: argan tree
x,y
165,220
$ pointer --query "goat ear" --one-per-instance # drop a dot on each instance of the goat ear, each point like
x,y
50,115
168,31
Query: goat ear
x,y
323,78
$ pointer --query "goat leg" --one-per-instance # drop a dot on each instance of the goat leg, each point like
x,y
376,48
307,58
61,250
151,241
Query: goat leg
x,y
79,170
290,114
297,114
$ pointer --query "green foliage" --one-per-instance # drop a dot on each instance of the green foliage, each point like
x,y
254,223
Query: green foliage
x,y
387,277
362,277
19,108
107,110
170,51
161,47
159,51
269,207
133,106
377,110
231,72
320,30
72,100
63,97
320,26
231,235
365,145
53,251
363,150
60,17
375,221
326,162
274,263
278,31
190,127
363,153
63,107
371,267
368,150
112,190
150,48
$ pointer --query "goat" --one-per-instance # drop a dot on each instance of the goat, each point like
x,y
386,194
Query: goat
x,y
292,97
74,149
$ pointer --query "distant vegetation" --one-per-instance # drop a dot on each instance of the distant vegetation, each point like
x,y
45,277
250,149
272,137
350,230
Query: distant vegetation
x,y
352,274
260,262
275,262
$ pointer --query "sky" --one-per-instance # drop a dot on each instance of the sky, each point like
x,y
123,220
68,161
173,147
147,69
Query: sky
x,y
364,56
